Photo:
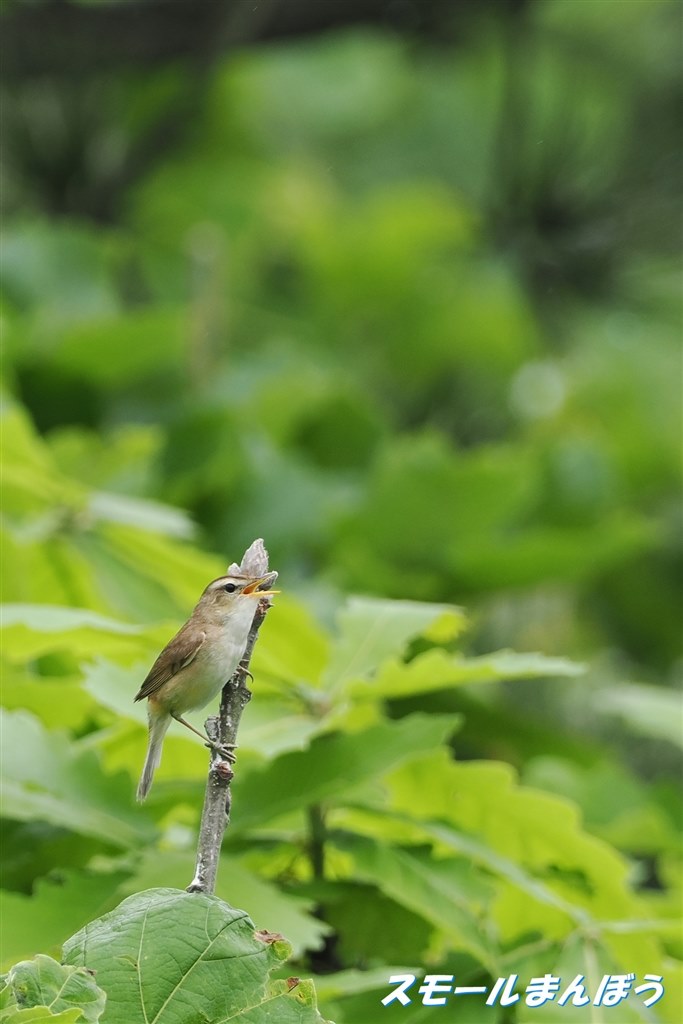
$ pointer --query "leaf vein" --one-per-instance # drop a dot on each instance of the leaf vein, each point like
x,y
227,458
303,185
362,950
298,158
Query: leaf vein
x,y
142,935
197,961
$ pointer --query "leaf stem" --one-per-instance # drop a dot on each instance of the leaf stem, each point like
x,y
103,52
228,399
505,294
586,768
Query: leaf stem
x,y
317,833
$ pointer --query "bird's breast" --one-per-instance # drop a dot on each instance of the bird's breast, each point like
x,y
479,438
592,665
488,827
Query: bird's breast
x,y
197,684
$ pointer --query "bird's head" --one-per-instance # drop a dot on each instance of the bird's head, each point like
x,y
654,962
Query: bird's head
x,y
234,593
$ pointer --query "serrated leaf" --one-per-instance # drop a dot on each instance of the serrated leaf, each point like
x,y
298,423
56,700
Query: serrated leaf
x,y
45,778
531,840
332,765
370,630
44,982
164,955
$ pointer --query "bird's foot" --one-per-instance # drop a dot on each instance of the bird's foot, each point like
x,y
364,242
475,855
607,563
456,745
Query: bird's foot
x,y
224,750
244,672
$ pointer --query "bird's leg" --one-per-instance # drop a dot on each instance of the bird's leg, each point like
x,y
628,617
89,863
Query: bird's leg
x,y
244,671
225,750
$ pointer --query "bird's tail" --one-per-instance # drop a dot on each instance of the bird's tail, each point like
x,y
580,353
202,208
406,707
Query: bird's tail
x,y
158,724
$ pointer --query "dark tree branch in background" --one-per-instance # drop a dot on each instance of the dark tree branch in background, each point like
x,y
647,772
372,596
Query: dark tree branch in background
x,y
223,729
70,38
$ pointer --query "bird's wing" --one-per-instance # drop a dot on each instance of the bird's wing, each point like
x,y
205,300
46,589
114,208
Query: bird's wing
x,y
178,654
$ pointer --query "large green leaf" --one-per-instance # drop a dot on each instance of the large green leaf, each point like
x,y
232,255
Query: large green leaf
x,y
371,630
531,840
45,778
332,765
165,956
267,905
42,982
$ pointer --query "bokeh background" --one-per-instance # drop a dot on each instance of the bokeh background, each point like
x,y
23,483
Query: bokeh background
x,y
394,285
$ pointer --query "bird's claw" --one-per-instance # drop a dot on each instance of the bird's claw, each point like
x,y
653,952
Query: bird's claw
x,y
225,750
244,672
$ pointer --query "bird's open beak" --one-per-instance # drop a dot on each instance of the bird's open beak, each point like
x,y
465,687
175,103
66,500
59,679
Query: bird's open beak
x,y
261,585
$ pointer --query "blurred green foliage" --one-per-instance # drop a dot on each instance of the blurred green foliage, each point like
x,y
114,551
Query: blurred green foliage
x,y
410,312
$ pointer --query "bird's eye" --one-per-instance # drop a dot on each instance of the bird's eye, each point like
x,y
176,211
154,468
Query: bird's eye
x,y
230,588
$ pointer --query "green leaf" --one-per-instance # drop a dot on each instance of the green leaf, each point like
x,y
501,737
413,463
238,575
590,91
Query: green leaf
x,y
292,646
41,1015
186,569
371,630
56,908
164,955
446,892
447,500
532,841
267,905
617,806
114,686
436,669
31,630
136,341
30,484
44,982
142,513
135,596
45,778
332,765
646,710
570,554
59,701
345,983
61,268
391,933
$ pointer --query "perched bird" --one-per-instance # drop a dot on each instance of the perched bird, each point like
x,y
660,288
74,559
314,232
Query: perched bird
x,y
199,660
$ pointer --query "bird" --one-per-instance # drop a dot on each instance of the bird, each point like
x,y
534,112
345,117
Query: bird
x,y
197,662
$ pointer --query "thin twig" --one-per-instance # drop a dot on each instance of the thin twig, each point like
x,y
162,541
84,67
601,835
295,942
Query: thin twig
x,y
223,728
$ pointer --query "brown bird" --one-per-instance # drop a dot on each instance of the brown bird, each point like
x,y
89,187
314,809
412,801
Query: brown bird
x,y
199,660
